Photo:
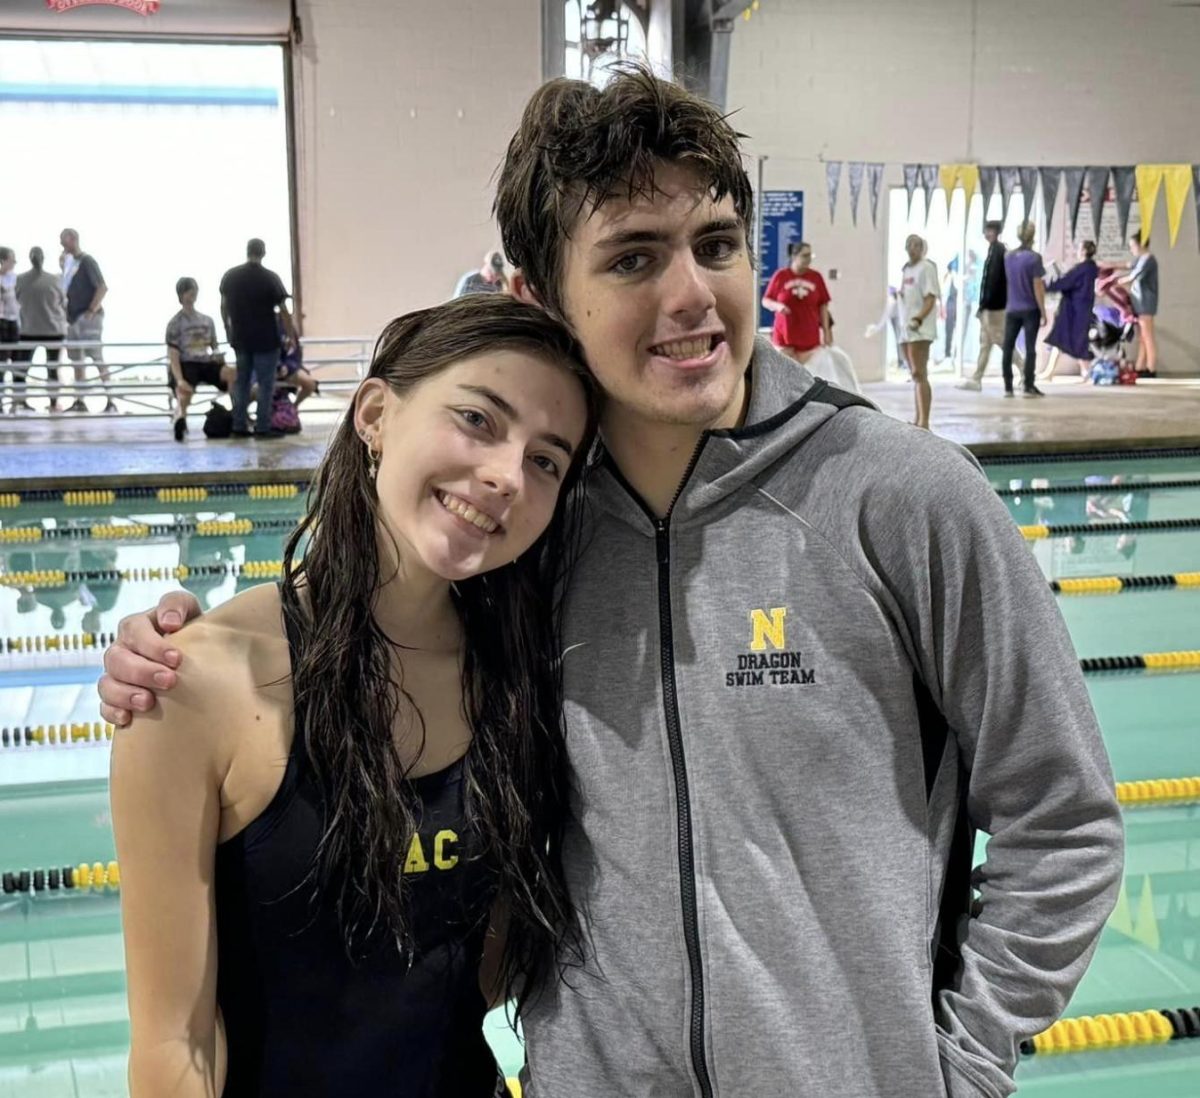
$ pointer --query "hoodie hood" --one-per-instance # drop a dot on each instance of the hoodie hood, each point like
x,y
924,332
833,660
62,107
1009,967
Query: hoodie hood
x,y
787,406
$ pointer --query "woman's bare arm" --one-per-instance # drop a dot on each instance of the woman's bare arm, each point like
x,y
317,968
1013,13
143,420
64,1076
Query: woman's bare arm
x,y
167,770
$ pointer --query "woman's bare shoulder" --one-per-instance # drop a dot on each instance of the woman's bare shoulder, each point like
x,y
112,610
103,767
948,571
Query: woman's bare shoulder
x,y
230,656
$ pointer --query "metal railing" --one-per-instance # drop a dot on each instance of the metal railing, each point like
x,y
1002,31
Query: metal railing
x,y
138,386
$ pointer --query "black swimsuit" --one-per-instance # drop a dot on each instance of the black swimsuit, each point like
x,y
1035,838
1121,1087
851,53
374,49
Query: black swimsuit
x,y
301,1018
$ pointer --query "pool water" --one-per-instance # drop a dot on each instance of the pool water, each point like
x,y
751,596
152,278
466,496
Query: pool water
x,y
63,1022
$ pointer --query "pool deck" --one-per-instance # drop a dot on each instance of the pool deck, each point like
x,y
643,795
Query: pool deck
x,y
44,452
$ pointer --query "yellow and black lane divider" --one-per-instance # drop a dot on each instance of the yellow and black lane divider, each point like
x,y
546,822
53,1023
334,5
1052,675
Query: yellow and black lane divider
x,y
136,531
1112,585
56,642
97,877
52,578
45,578
1150,661
1092,456
181,493
1039,531
1158,791
20,535
1092,1033
56,735
1055,488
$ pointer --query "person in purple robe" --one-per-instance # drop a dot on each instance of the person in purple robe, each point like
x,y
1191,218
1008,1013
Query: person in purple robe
x,y
1069,333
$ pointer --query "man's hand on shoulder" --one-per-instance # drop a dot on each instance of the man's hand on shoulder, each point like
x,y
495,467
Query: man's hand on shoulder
x,y
143,660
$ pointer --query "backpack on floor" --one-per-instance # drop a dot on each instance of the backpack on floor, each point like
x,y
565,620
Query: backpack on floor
x,y
284,416
218,422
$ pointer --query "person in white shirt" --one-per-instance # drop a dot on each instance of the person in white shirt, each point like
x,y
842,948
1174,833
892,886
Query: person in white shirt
x,y
919,291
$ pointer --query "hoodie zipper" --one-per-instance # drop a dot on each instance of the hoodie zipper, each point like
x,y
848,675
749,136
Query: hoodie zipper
x,y
683,822
683,812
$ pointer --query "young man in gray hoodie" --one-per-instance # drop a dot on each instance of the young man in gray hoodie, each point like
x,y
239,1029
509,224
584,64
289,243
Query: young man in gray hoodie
x,y
807,655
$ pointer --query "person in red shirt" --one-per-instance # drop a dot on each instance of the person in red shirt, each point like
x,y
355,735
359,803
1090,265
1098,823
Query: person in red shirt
x,y
799,298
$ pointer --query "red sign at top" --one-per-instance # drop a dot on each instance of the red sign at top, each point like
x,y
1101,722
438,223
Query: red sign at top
x,y
139,7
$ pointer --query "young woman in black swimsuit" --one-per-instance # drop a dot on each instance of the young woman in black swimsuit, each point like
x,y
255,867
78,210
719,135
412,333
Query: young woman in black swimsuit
x,y
339,837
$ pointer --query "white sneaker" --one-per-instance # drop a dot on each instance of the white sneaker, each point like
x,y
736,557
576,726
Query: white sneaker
x,y
970,384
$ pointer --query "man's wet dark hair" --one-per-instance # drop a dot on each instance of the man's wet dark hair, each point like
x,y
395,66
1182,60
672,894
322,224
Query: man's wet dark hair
x,y
579,145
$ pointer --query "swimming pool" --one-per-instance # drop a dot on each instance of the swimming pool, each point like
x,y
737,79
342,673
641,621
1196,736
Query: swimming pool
x,y
85,560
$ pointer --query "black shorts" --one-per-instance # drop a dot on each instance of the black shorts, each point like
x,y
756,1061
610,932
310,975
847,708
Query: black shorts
x,y
200,373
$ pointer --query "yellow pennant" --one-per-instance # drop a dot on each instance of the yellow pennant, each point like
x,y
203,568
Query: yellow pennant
x,y
1149,178
1146,930
955,175
1177,178
1121,919
968,176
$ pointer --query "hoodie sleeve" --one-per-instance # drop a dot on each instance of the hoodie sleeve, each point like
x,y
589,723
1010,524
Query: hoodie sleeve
x,y
992,647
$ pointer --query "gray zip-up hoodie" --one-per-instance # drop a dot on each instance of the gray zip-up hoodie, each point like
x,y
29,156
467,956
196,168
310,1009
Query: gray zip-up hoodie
x,y
788,706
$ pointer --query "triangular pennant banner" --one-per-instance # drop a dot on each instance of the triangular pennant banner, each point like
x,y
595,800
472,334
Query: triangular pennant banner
x,y
1196,195
948,177
1146,927
1121,918
1177,179
968,176
987,187
833,177
929,182
874,184
1097,195
912,176
1123,190
1050,178
856,182
1149,177
1074,178
1029,178
1009,178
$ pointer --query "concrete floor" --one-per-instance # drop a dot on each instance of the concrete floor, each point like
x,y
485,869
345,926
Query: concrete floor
x,y
51,452
1072,417
44,452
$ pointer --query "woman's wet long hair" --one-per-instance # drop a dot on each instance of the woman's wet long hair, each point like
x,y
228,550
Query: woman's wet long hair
x,y
348,676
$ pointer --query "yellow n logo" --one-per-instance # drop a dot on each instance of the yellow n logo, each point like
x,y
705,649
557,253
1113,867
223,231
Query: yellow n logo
x,y
767,629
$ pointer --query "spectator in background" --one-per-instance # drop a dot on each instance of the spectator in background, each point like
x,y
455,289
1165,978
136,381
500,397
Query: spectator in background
x,y
918,314
993,301
43,308
489,279
292,380
192,353
85,289
1111,291
292,373
799,298
949,307
1073,319
890,318
253,304
1026,307
1142,281
10,328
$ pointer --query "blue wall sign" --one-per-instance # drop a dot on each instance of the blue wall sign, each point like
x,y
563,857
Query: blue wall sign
x,y
782,225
